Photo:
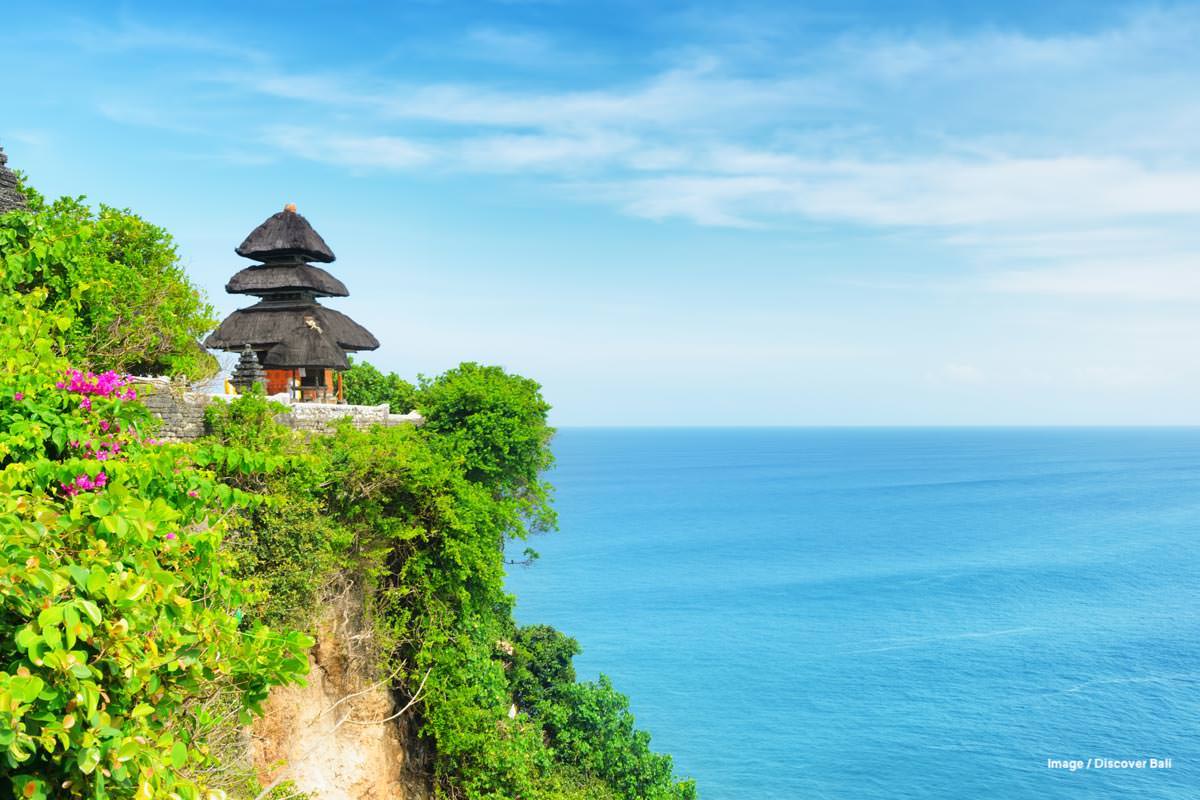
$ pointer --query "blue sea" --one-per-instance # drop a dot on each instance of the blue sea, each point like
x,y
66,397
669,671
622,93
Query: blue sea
x,y
888,613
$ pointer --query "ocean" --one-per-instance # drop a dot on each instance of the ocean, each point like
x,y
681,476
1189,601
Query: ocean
x,y
888,613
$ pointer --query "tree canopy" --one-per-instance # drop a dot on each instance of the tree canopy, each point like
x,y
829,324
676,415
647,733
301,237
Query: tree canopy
x,y
118,283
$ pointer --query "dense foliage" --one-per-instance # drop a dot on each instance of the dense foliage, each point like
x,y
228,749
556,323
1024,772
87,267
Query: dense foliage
x,y
421,515
588,725
365,385
116,280
118,605
137,579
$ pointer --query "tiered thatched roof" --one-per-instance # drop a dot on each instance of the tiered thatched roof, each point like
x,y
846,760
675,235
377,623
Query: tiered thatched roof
x,y
289,328
298,278
283,236
271,321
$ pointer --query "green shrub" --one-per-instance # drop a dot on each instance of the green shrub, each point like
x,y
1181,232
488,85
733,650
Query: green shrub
x,y
590,728
117,602
129,305
366,385
541,667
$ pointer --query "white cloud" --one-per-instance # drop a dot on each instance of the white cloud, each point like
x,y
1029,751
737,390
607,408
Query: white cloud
x,y
387,152
129,35
940,192
545,152
525,48
697,93
1135,280
868,129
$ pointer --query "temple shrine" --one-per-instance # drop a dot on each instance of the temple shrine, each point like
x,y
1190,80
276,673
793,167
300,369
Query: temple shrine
x,y
288,338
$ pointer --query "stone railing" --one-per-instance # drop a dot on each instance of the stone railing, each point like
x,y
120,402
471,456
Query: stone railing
x,y
182,411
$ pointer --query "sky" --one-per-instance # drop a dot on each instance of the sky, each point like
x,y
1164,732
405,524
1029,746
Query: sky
x,y
823,213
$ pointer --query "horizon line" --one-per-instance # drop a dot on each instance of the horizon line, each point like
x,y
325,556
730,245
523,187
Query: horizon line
x,y
889,426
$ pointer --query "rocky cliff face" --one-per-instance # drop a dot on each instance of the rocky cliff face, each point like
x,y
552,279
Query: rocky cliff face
x,y
10,198
339,738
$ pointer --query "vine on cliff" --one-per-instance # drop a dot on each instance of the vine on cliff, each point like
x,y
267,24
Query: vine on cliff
x,y
421,515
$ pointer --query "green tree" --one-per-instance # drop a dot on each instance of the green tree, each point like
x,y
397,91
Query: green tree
x,y
592,730
130,305
588,725
493,424
366,385
541,667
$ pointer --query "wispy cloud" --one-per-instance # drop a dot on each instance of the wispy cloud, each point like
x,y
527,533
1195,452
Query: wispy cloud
x,y
961,208
522,48
1036,153
935,193
386,152
128,35
707,142
1176,280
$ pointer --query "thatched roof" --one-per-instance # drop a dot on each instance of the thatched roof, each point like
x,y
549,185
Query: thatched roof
x,y
266,279
10,198
306,346
284,236
297,331
268,323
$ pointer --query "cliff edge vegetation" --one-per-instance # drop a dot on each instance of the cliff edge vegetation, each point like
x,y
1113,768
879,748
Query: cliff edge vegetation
x,y
153,595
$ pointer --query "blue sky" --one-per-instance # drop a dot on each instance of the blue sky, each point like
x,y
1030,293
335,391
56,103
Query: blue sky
x,y
671,213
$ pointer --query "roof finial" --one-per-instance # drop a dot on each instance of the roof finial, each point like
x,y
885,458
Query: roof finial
x,y
290,207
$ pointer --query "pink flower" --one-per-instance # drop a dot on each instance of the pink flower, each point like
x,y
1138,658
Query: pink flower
x,y
104,425
170,536
193,493
19,396
106,384
83,483
86,404
101,455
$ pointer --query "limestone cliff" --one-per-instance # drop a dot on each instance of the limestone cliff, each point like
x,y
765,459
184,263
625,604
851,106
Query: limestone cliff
x,y
339,738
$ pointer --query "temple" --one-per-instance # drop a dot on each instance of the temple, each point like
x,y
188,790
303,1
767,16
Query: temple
x,y
299,344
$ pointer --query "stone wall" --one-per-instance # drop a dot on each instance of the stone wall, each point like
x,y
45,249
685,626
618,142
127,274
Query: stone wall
x,y
182,412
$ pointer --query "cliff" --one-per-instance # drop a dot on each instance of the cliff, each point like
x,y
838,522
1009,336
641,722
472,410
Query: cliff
x,y
343,736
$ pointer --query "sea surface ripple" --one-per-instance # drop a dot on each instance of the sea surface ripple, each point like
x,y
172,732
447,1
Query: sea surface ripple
x,y
888,613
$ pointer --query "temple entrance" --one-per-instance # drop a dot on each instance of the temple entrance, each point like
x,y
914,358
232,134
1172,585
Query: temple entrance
x,y
315,386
